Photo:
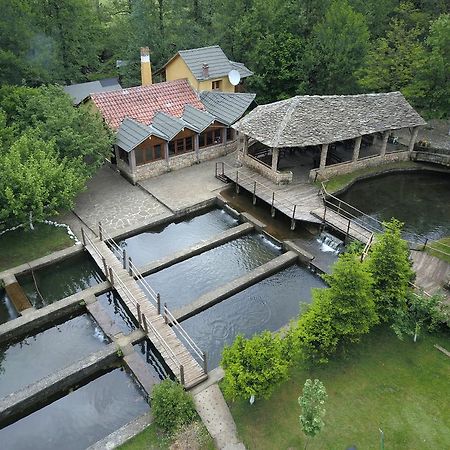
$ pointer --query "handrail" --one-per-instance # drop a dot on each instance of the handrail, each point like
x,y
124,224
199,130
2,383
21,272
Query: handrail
x,y
135,272
91,243
105,236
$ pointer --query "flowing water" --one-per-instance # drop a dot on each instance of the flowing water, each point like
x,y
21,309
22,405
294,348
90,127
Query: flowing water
x,y
7,310
166,239
330,243
268,305
421,200
37,356
79,419
61,279
184,282
112,303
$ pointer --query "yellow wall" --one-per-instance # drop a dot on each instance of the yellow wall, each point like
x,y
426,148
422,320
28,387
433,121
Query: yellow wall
x,y
177,69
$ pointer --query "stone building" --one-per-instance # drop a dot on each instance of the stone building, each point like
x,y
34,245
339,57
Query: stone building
x,y
333,134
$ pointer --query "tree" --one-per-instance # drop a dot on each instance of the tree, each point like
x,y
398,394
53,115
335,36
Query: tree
x,y
253,367
391,270
35,182
337,50
421,311
312,403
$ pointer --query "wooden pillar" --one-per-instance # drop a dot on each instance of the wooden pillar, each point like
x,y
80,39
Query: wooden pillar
x,y
132,161
384,143
224,135
412,141
323,156
166,153
275,153
356,148
196,148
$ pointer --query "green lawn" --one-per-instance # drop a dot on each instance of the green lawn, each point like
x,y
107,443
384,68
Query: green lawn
x,y
443,245
400,387
20,246
340,181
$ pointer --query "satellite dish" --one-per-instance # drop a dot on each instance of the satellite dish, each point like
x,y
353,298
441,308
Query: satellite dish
x,y
234,76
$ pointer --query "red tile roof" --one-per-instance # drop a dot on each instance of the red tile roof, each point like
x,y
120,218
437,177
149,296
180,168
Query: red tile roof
x,y
143,102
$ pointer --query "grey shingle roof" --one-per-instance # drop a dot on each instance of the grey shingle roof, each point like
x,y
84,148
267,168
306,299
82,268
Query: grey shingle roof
x,y
170,126
197,120
81,91
219,64
131,133
312,120
225,106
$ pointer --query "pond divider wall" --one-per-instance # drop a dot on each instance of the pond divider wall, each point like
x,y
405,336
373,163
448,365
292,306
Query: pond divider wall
x,y
233,287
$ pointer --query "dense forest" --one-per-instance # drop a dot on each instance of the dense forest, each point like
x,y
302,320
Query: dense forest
x,y
294,47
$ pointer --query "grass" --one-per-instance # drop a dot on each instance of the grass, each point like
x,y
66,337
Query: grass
x,y
398,386
20,246
150,439
340,181
443,245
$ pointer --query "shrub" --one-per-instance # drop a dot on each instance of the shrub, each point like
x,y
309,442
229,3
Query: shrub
x,y
172,406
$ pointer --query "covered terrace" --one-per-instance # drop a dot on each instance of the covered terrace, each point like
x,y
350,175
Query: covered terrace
x,y
315,137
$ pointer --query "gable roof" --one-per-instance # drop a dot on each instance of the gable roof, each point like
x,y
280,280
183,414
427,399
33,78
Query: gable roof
x,y
218,63
312,120
131,133
81,91
227,107
196,119
143,102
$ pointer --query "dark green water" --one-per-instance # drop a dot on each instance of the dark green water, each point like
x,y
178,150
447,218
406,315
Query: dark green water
x,y
421,200
112,303
38,356
186,281
7,310
268,305
79,419
61,279
166,239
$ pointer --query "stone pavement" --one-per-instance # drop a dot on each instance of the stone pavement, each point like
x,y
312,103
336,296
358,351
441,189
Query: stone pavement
x,y
183,188
118,204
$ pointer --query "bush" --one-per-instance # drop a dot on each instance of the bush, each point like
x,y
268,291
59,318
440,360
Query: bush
x,y
172,406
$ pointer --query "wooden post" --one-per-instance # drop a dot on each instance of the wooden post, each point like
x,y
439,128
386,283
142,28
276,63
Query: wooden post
x,y
138,309
165,315
100,234
272,209
254,193
83,237
182,374
293,218
223,168
237,181
144,322
130,265
324,210
124,258
105,267
158,302
339,207
111,276
348,231
205,363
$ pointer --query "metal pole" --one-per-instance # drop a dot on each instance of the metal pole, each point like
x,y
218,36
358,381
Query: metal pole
x,y
144,322
158,302
182,374
130,267
105,267
83,236
124,258
254,193
138,309
205,363
165,315
100,234
111,276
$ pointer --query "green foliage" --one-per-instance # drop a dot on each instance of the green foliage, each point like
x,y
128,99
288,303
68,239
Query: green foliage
x,y
421,312
391,270
312,403
172,406
253,366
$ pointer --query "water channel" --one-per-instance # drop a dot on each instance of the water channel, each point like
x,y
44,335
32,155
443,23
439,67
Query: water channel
x,y
420,199
7,310
79,419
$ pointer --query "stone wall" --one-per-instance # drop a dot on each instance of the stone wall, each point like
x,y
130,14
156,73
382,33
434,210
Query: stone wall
x,y
442,158
350,166
264,170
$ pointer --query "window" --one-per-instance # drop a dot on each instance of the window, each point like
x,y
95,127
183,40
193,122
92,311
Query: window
x,y
210,137
216,85
124,156
230,136
180,146
147,153
171,148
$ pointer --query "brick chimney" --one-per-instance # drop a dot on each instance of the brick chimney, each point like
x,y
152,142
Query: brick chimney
x,y
146,68
205,70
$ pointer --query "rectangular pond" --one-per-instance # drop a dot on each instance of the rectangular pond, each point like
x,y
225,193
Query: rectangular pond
x,y
61,279
268,305
7,310
164,240
184,282
38,356
79,419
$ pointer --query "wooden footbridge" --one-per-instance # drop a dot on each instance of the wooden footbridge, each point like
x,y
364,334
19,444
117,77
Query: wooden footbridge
x,y
165,333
